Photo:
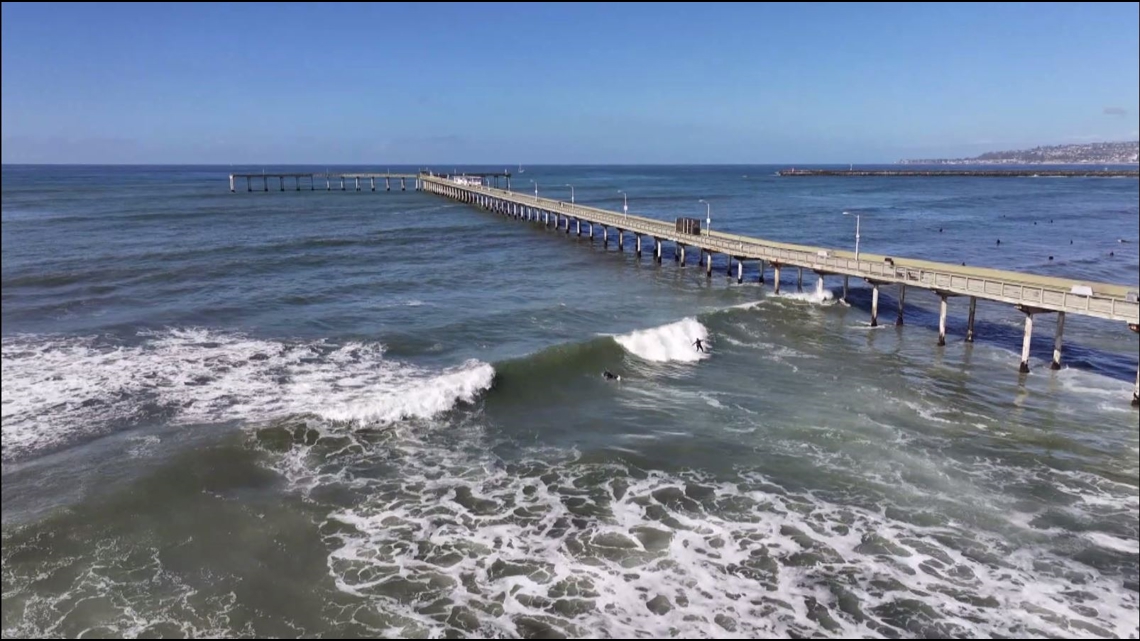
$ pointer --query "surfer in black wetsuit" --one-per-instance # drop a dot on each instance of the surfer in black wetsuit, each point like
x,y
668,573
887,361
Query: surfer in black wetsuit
x,y
610,376
700,348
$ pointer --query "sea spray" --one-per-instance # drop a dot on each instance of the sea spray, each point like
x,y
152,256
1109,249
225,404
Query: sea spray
x,y
671,342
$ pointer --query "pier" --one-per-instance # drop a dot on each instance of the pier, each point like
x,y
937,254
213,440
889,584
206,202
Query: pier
x,y
339,180
973,173
1030,294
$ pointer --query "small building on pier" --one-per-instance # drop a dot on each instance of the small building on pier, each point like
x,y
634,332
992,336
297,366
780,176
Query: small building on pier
x,y
468,181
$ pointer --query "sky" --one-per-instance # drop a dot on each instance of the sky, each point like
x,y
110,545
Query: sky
x,y
560,83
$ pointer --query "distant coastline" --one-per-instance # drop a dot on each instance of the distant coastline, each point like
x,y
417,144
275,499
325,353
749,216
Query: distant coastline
x,y
1096,153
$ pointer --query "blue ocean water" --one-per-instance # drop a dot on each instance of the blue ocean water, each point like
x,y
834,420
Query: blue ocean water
x,y
369,413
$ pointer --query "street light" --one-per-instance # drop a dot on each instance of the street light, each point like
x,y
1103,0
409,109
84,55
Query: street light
x,y
708,216
535,190
624,203
847,213
571,193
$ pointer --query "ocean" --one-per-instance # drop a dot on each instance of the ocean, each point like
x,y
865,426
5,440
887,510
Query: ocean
x,y
349,414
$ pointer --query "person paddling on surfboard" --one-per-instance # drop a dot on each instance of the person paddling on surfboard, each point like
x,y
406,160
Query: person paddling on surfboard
x,y
610,376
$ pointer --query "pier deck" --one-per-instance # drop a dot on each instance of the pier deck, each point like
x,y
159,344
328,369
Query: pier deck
x,y
1108,301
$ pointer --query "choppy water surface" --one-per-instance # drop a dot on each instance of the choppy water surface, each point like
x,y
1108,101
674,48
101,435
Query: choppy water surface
x,y
364,414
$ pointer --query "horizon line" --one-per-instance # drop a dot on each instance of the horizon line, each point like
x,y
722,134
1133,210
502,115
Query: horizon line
x,y
487,164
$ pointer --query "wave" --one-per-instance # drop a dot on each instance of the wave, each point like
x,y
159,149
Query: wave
x,y
58,390
665,343
818,295
670,342
591,549
558,361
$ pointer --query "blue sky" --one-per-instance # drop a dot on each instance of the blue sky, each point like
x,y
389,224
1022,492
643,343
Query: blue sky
x,y
561,83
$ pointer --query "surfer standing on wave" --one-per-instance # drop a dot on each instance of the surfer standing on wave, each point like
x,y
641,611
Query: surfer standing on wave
x,y
700,347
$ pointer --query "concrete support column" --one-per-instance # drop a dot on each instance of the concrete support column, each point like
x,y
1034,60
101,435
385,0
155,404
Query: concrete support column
x,y
403,187
578,226
708,264
342,183
761,277
676,252
874,305
682,256
1056,364
800,280
1025,343
373,182
328,183
637,242
776,277
1136,389
657,250
970,320
941,320
621,240
902,300
845,282
740,272
605,237
567,226
358,183
388,184
231,183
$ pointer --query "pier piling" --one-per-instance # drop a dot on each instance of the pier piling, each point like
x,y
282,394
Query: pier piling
x,y
874,304
1024,369
902,299
1056,364
941,318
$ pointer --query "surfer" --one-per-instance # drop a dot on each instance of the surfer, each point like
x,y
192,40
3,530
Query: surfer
x,y
610,376
700,347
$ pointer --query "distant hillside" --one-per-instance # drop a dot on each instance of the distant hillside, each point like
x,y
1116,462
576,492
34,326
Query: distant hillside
x,y
1095,153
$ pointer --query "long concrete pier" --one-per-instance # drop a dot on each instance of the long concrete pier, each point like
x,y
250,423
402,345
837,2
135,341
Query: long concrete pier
x,y
975,173
1030,294
339,179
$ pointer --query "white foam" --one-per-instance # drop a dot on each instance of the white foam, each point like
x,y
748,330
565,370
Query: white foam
x,y
55,389
671,342
743,560
818,295
1114,542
